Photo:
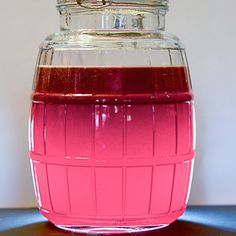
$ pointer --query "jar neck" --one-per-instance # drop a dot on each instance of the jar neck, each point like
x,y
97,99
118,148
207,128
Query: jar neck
x,y
127,18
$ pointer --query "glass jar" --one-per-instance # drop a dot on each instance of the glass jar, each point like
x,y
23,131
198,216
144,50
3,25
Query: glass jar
x,y
112,120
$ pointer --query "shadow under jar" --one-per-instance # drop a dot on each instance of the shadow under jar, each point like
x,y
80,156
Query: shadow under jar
x,y
112,119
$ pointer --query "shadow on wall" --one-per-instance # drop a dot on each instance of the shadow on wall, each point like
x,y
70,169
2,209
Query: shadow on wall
x,y
15,175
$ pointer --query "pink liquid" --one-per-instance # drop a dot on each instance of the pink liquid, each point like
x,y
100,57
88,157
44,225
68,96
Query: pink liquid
x,y
112,150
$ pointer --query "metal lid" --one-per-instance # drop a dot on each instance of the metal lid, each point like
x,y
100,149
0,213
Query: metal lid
x,y
106,3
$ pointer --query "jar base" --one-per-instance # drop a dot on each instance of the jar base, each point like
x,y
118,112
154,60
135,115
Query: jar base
x,y
110,230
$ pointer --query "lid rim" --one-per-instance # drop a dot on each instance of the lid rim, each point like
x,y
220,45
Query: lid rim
x,y
106,3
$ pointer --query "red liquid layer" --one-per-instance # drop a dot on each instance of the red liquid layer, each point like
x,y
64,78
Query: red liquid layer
x,y
125,84
112,146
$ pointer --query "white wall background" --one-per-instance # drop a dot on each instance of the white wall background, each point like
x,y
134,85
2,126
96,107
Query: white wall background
x,y
208,29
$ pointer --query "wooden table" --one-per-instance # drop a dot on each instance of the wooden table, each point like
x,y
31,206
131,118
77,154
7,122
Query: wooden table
x,y
197,221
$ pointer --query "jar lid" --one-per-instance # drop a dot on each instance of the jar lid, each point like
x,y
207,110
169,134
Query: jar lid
x,y
106,3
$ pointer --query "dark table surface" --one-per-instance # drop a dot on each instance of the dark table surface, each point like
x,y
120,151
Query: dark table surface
x,y
197,221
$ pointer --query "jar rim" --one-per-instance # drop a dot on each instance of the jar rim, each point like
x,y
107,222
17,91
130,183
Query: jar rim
x,y
105,3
